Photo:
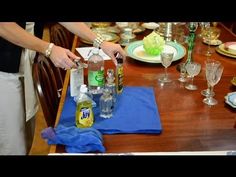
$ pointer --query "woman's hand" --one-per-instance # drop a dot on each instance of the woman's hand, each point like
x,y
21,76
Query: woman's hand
x,y
62,57
111,49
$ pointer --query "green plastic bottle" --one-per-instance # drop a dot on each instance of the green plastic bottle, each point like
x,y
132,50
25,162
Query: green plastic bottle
x,y
84,117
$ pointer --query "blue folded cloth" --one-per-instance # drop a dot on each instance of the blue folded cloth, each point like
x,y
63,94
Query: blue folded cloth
x,y
75,139
135,111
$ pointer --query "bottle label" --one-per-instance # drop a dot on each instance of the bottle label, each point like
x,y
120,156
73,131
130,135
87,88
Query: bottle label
x,y
84,117
76,80
96,78
119,79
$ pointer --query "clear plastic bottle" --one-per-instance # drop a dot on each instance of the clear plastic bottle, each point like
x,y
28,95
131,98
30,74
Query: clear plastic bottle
x,y
96,79
84,112
106,104
76,80
110,84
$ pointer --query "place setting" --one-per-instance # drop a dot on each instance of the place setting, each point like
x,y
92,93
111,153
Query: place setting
x,y
227,49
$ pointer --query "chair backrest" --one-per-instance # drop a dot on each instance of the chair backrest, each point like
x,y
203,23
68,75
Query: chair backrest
x,y
46,87
60,36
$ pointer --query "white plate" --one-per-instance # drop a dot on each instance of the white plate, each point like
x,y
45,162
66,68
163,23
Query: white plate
x,y
136,51
233,81
150,25
231,47
111,37
230,99
213,42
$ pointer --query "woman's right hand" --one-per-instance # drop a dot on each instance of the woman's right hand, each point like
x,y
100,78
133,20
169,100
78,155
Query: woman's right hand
x,y
63,58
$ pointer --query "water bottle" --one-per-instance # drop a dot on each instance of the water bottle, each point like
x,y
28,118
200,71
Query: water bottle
x,y
96,79
110,84
106,104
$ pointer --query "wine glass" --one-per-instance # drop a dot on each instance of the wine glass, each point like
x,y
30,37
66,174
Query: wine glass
x,y
193,69
214,72
210,34
182,69
203,26
208,91
166,59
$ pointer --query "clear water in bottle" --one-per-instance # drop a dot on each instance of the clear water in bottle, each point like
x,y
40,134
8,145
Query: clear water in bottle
x,y
96,79
106,104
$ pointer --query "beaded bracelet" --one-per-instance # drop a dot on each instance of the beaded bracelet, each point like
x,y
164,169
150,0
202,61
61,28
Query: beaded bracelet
x,y
98,41
49,50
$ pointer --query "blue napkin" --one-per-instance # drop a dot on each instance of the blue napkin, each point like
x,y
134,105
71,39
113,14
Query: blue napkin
x,y
75,139
135,112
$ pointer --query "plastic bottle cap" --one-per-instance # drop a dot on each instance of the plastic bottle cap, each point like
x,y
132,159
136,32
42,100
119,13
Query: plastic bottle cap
x,y
83,88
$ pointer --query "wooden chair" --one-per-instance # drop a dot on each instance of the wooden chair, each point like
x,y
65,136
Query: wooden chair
x,y
231,26
46,87
60,36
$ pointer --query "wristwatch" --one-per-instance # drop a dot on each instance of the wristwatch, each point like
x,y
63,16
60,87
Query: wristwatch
x,y
49,50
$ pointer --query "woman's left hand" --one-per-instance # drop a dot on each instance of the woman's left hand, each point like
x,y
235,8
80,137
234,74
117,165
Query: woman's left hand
x,y
111,49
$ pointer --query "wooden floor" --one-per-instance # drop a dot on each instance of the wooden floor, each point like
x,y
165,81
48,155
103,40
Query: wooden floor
x,y
40,146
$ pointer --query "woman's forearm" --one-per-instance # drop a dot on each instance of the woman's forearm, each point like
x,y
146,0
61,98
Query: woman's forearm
x,y
17,35
80,29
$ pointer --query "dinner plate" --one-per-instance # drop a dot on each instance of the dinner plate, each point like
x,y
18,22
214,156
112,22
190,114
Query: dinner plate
x,y
150,25
212,42
138,30
109,29
233,81
111,37
230,99
230,47
136,51
220,49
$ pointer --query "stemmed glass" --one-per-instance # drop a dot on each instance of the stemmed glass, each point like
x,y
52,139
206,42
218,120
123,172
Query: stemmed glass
x,y
214,70
166,59
209,35
208,91
182,69
193,69
203,26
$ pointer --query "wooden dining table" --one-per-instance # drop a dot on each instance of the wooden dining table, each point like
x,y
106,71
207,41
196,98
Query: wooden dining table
x,y
188,124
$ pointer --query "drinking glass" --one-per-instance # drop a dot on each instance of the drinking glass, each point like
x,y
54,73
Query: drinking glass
x,y
193,69
209,35
203,26
166,59
183,71
207,91
214,70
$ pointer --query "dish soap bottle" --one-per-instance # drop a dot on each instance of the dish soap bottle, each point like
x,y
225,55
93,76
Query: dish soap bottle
x,y
84,113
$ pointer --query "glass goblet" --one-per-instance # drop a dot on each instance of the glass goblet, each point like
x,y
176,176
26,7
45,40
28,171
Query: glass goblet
x,y
207,91
183,71
193,69
166,59
209,35
214,72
